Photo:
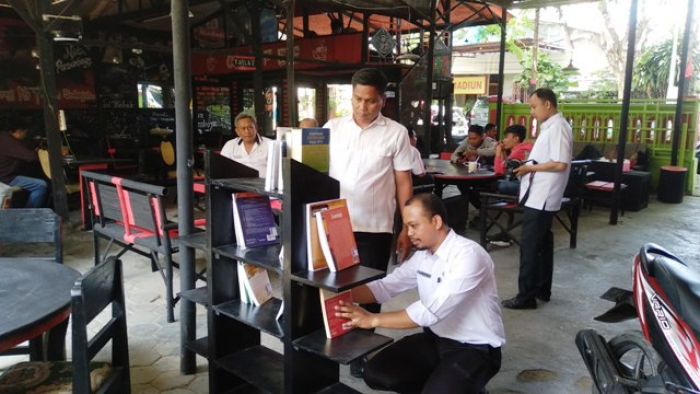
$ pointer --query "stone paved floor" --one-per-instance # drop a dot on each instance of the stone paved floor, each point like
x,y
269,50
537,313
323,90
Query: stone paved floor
x,y
539,357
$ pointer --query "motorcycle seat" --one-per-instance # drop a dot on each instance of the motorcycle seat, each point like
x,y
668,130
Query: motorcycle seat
x,y
681,285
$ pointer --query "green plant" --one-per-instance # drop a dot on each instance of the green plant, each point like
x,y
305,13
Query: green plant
x,y
549,74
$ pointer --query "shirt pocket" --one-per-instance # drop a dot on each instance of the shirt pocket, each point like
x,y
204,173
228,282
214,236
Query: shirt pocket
x,y
377,158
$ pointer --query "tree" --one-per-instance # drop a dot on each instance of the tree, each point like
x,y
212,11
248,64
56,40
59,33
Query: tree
x,y
613,39
549,74
650,78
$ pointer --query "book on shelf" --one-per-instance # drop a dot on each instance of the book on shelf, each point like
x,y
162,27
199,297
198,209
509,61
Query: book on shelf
x,y
310,146
253,221
314,253
332,323
242,291
336,237
257,284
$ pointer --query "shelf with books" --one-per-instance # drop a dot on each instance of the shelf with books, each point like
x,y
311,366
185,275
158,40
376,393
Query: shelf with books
x,y
200,346
338,388
255,185
197,240
264,256
257,365
263,317
199,295
345,348
340,280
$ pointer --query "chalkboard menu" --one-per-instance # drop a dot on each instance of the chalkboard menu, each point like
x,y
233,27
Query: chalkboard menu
x,y
212,105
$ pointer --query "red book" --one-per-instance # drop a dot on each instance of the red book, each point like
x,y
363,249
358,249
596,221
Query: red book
x,y
336,236
333,324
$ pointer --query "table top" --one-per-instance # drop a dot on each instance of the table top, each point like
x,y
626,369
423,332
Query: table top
x,y
445,170
79,161
31,293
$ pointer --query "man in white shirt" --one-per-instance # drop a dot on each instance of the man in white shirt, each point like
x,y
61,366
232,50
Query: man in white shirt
x,y
459,349
249,148
371,158
417,168
542,185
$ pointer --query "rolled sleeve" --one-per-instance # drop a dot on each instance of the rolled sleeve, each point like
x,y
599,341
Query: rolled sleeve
x,y
560,144
459,152
455,291
403,159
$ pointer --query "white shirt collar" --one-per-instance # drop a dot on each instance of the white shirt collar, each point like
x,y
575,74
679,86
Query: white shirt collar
x,y
379,121
550,120
444,249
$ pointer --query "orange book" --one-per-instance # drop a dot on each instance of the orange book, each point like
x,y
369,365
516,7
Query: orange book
x,y
314,252
337,238
332,323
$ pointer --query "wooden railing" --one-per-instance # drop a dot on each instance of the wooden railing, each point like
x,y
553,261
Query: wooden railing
x,y
650,124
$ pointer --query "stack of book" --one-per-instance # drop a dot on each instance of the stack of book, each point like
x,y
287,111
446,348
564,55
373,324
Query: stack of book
x,y
309,146
253,221
330,241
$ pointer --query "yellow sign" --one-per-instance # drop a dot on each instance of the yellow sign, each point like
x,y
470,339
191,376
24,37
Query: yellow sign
x,y
471,85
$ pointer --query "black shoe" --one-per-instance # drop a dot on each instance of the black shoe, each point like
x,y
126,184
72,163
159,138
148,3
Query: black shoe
x,y
516,303
357,367
543,298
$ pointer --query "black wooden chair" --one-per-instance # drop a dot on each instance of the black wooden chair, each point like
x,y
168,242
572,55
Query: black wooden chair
x,y
496,206
31,226
92,293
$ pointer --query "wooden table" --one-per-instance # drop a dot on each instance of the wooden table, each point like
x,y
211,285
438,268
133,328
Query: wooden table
x,y
446,173
34,299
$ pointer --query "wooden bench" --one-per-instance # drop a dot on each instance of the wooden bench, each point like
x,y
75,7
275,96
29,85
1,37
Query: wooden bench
x,y
131,214
495,206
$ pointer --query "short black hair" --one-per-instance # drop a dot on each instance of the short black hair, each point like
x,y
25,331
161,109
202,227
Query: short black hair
x,y
517,130
475,128
546,94
432,205
489,127
370,77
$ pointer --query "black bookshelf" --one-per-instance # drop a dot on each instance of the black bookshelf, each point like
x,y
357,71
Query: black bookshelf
x,y
309,362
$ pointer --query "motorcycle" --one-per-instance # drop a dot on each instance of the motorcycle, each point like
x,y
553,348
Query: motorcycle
x,y
665,356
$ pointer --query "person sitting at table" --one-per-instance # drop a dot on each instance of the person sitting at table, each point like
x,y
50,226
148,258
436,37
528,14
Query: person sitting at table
x,y
13,154
476,147
249,148
512,148
308,123
459,348
491,131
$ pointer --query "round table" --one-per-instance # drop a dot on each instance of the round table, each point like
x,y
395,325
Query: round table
x,y
34,299
447,173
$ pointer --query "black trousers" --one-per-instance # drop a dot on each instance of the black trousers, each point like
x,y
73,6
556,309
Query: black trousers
x,y
375,250
425,363
536,254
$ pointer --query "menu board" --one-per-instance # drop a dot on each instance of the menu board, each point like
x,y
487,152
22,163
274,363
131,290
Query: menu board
x,y
212,104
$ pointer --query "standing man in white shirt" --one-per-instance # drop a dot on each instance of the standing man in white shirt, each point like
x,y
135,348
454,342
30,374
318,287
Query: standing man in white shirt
x,y
249,148
459,350
370,156
542,185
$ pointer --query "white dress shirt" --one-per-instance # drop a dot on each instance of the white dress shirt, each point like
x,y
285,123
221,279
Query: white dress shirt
x,y
457,291
364,161
418,167
257,158
554,143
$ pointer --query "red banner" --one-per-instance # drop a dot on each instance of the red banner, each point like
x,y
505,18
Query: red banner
x,y
345,48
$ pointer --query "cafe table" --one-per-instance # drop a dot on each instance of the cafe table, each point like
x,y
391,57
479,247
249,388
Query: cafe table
x,y
35,299
446,173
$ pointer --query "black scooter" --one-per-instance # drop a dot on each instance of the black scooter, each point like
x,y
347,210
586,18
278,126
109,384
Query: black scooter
x,y
665,356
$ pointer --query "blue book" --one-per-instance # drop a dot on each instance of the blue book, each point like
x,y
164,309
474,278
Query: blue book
x,y
253,221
